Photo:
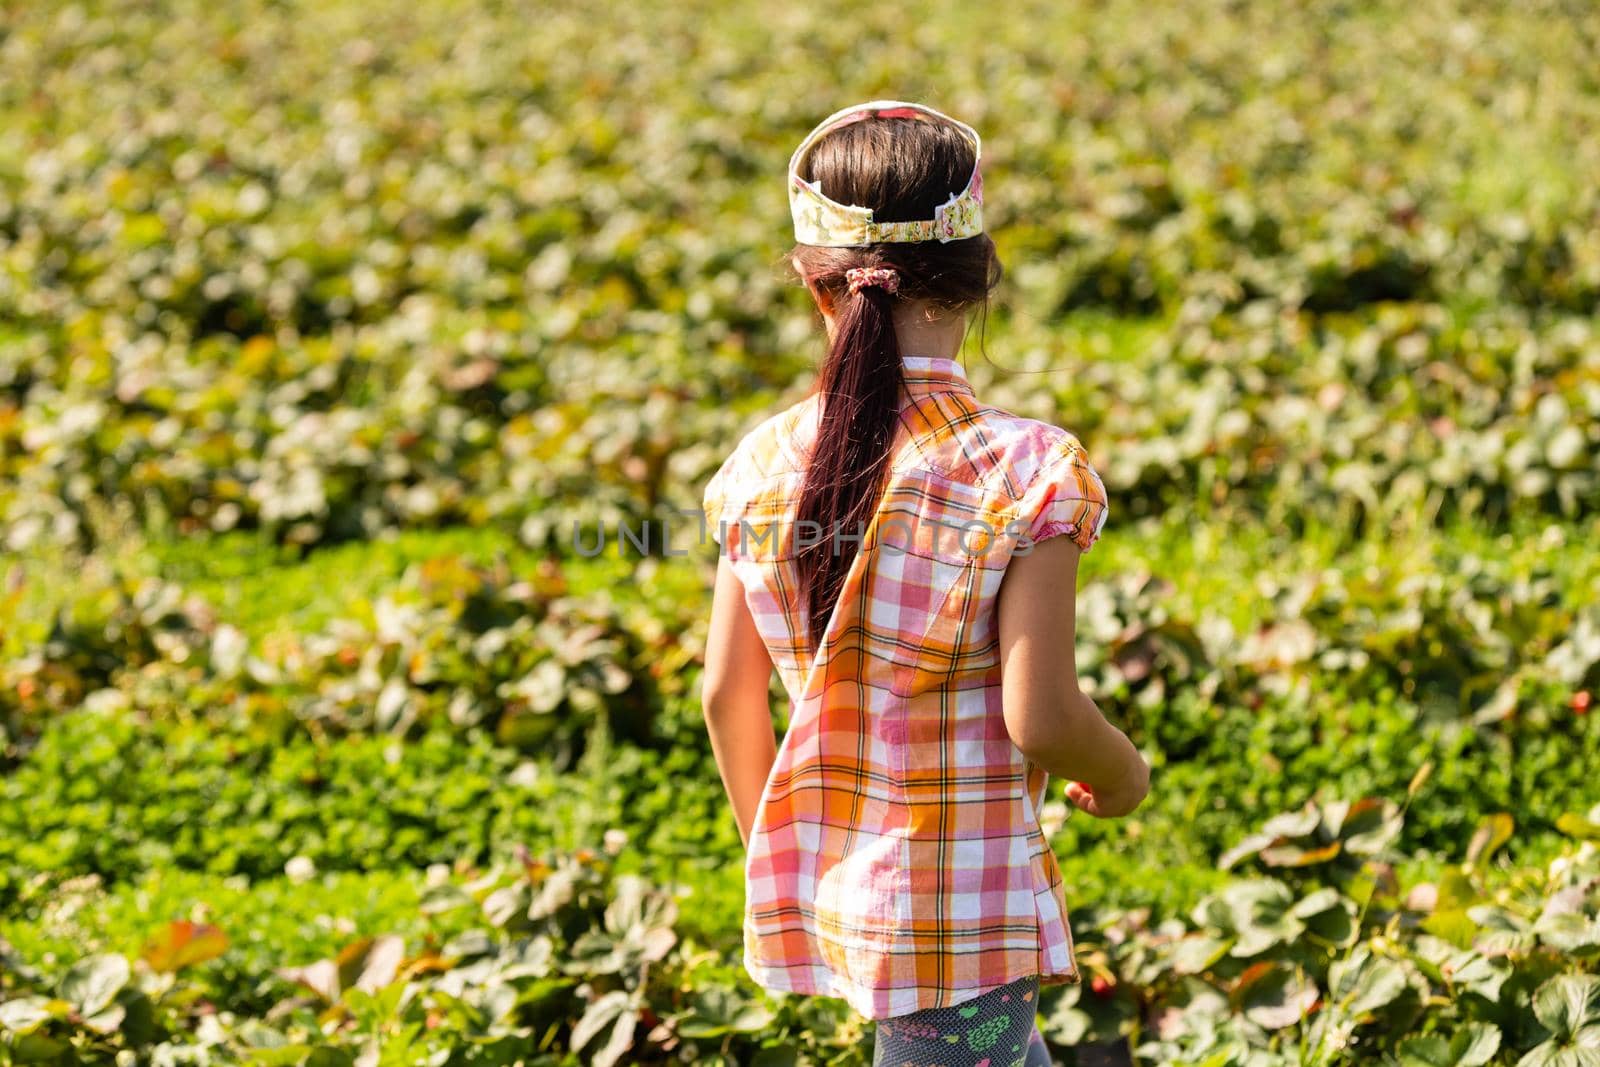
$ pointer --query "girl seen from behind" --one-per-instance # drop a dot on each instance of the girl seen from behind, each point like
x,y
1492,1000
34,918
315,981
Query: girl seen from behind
x,y
905,556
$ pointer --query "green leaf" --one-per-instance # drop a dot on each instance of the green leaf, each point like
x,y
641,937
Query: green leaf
x,y
107,1020
255,1034
1426,1052
781,1056
1364,983
1420,779
285,1055
380,963
37,1048
1248,847
530,959
1463,970
26,1014
1293,855
94,981
1361,887
447,896
1472,1046
1553,1054
468,944
1293,823
1260,911
1579,826
642,915
321,977
1492,832
1325,899
596,952
1500,932
1568,931
1068,1023
1456,891
1274,995
719,1010
1198,952
1568,1005
1328,915
1475,1044
1475,974
1369,826
615,1010
1336,926
1453,926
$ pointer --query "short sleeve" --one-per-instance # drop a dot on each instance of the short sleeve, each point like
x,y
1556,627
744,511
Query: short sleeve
x,y
1066,496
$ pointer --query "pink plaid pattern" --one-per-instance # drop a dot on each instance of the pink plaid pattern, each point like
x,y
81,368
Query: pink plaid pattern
x,y
896,859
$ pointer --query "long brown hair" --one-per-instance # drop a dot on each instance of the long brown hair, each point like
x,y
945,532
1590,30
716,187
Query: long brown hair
x,y
902,169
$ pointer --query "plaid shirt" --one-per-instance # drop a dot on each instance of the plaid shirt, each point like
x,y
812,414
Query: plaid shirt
x,y
896,858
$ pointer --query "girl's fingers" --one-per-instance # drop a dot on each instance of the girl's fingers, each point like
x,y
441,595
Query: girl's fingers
x,y
1081,795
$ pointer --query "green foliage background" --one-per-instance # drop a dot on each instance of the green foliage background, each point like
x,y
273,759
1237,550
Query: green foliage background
x,y
321,324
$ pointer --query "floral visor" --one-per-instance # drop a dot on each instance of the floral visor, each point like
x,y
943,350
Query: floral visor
x,y
820,221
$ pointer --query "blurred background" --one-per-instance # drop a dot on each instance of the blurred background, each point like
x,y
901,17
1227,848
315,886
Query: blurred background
x,y
322,324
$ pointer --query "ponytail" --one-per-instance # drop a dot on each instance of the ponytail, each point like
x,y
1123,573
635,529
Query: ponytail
x,y
901,170
859,382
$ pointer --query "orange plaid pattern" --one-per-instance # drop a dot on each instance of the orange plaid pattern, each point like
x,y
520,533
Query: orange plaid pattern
x,y
896,858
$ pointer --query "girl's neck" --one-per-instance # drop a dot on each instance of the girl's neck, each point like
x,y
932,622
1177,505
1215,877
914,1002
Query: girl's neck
x,y
919,335
921,331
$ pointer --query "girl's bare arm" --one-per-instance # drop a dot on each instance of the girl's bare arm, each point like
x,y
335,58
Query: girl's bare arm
x,y
1050,719
734,698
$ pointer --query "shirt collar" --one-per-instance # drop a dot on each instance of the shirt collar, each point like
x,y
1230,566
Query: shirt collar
x,y
933,374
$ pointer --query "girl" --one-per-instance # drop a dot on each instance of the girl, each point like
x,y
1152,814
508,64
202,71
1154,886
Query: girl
x,y
893,547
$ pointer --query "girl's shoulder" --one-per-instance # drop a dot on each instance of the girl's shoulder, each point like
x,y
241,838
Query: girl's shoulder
x,y
772,448
777,443
1013,452
1055,489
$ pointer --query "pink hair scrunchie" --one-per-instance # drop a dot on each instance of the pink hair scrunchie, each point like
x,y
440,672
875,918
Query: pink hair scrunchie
x,y
886,278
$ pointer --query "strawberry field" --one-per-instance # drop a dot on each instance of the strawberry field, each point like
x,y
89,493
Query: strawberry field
x,y
332,334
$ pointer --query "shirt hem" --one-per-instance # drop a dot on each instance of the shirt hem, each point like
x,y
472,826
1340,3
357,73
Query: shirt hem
x,y
860,999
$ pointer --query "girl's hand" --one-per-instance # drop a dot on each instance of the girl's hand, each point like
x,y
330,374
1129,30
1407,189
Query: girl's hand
x,y
1116,802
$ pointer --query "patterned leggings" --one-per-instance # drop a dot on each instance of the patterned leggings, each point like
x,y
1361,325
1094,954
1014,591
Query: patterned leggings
x,y
995,1029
